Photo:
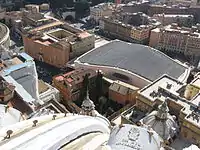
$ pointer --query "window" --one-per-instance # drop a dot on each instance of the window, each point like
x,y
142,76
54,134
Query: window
x,y
121,76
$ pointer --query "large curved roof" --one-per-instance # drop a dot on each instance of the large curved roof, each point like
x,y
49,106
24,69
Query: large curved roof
x,y
56,131
4,31
139,59
129,137
9,116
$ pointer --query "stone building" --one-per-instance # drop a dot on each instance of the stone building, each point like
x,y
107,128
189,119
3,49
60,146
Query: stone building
x,y
193,88
33,8
56,43
186,111
173,38
6,91
159,9
182,20
81,132
70,84
122,93
99,11
134,7
131,63
132,27
36,19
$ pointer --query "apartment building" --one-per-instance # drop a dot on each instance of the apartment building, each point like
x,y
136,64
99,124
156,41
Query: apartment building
x,y
173,38
101,10
54,42
71,83
132,27
180,19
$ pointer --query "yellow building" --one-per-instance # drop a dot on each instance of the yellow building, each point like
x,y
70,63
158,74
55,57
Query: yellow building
x,y
193,88
187,111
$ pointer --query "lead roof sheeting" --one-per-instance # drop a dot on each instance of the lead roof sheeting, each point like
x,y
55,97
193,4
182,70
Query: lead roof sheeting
x,y
139,59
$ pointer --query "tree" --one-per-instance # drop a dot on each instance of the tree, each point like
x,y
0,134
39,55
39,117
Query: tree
x,y
2,21
82,7
85,84
99,85
102,103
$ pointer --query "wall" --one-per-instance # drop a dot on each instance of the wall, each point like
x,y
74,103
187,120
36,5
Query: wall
x,y
119,98
154,38
190,132
123,99
80,47
134,79
144,104
191,91
52,55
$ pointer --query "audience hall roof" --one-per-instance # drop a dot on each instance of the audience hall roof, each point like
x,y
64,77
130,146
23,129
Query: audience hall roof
x,y
139,59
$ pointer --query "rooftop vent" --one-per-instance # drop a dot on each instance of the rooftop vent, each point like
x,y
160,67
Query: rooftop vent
x,y
153,94
168,86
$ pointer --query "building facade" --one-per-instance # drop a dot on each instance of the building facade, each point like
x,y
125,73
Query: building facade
x,y
71,84
99,11
182,20
173,38
193,88
130,63
54,42
132,27
186,111
122,93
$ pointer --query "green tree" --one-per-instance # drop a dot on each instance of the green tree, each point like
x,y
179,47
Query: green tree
x,y
83,90
85,84
82,7
99,85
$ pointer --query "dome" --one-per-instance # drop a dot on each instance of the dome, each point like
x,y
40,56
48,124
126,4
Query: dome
x,y
162,122
56,131
88,104
130,137
9,115
88,107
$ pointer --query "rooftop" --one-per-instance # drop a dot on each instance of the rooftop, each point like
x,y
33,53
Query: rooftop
x,y
174,28
3,31
135,139
133,114
42,86
196,100
55,23
48,133
60,33
196,81
9,116
139,59
165,82
194,118
75,76
172,15
122,88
